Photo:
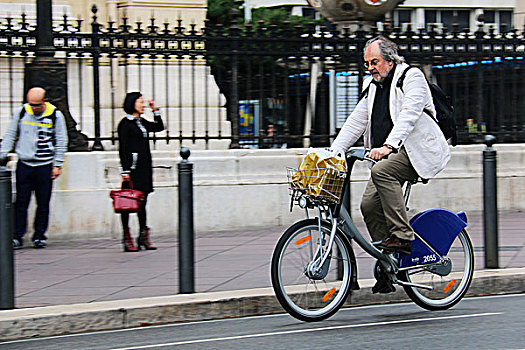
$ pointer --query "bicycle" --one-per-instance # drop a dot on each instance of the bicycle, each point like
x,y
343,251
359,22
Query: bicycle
x,y
314,268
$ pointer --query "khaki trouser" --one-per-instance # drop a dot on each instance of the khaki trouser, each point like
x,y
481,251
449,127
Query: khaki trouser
x,y
383,205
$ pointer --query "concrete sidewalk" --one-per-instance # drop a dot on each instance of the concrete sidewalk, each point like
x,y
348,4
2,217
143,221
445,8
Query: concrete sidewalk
x,y
94,285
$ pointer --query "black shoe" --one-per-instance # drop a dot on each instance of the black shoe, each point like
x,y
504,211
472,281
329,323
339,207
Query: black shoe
x,y
18,243
383,286
39,243
396,245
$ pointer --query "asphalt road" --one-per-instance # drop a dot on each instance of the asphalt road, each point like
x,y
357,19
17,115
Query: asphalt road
x,y
495,322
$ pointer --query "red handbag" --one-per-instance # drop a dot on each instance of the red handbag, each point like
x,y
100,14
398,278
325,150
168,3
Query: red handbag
x,y
126,200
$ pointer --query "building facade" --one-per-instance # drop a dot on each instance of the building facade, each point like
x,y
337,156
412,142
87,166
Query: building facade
x,y
189,11
497,14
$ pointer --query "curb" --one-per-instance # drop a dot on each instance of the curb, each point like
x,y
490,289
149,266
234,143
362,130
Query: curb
x,y
98,316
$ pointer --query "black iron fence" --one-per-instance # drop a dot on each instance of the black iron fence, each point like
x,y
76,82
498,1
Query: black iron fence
x,y
260,86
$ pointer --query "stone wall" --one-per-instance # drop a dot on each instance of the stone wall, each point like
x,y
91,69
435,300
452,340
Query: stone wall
x,y
234,189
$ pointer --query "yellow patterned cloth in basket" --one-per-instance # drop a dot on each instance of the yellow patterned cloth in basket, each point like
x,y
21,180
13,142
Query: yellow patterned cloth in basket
x,y
321,174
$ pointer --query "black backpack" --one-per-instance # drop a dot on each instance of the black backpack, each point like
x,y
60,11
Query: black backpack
x,y
444,109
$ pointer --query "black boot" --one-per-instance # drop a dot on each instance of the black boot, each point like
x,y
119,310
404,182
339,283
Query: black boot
x,y
143,240
127,242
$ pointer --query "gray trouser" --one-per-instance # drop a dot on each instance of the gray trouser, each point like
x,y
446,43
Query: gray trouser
x,y
383,205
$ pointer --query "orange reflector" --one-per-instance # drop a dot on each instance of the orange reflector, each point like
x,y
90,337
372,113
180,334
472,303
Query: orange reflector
x,y
302,240
449,286
328,295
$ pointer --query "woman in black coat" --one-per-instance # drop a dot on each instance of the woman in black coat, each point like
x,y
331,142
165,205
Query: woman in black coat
x,y
135,161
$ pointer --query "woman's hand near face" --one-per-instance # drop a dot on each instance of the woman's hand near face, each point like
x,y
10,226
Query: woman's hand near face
x,y
152,105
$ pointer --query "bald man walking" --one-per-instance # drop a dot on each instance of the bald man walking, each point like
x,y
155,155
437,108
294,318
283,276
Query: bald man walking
x,y
38,135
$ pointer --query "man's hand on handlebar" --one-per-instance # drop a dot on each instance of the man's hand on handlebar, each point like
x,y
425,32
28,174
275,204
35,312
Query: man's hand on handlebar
x,y
379,153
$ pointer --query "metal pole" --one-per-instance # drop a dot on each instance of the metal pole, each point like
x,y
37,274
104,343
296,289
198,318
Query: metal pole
x,y
44,34
97,145
7,276
186,233
247,11
333,104
234,95
490,204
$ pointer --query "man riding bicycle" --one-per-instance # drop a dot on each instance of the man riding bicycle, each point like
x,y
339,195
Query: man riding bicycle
x,y
393,123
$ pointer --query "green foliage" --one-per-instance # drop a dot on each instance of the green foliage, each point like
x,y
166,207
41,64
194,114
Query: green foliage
x,y
278,15
222,12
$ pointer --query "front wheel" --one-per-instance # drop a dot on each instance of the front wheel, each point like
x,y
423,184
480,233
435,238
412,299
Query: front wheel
x,y
448,286
306,294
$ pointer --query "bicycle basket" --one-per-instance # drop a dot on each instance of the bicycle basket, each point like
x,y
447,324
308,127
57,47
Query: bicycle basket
x,y
318,183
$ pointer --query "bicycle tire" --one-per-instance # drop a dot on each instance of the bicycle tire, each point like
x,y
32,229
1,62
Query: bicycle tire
x,y
449,289
303,297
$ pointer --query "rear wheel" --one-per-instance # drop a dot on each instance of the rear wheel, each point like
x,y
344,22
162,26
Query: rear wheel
x,y
449,282
304,293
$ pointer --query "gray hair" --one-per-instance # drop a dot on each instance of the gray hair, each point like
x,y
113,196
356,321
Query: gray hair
x,y
387,48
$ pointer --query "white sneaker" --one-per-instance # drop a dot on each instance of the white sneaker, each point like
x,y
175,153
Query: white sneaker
x,y
18,243
39,243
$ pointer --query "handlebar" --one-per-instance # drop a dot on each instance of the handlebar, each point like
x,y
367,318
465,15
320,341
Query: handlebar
x,y
372,160
360,153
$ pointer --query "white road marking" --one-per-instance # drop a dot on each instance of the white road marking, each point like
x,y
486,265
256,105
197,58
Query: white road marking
x,y
310,330
133,329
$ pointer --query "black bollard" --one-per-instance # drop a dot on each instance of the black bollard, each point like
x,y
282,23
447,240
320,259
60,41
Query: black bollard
x,y
490,204
7,277
186,234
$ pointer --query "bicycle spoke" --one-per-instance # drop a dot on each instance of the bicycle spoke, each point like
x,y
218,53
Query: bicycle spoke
x,y
449,283
315,297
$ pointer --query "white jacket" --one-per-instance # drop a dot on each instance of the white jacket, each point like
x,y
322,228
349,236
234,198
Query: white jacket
x,y
424,142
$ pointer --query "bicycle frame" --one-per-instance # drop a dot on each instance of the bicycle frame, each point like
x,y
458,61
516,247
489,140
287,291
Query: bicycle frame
x,y
339,215
352,232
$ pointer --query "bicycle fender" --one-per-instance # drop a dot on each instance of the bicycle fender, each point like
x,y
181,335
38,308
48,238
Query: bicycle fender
x,y
438,227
